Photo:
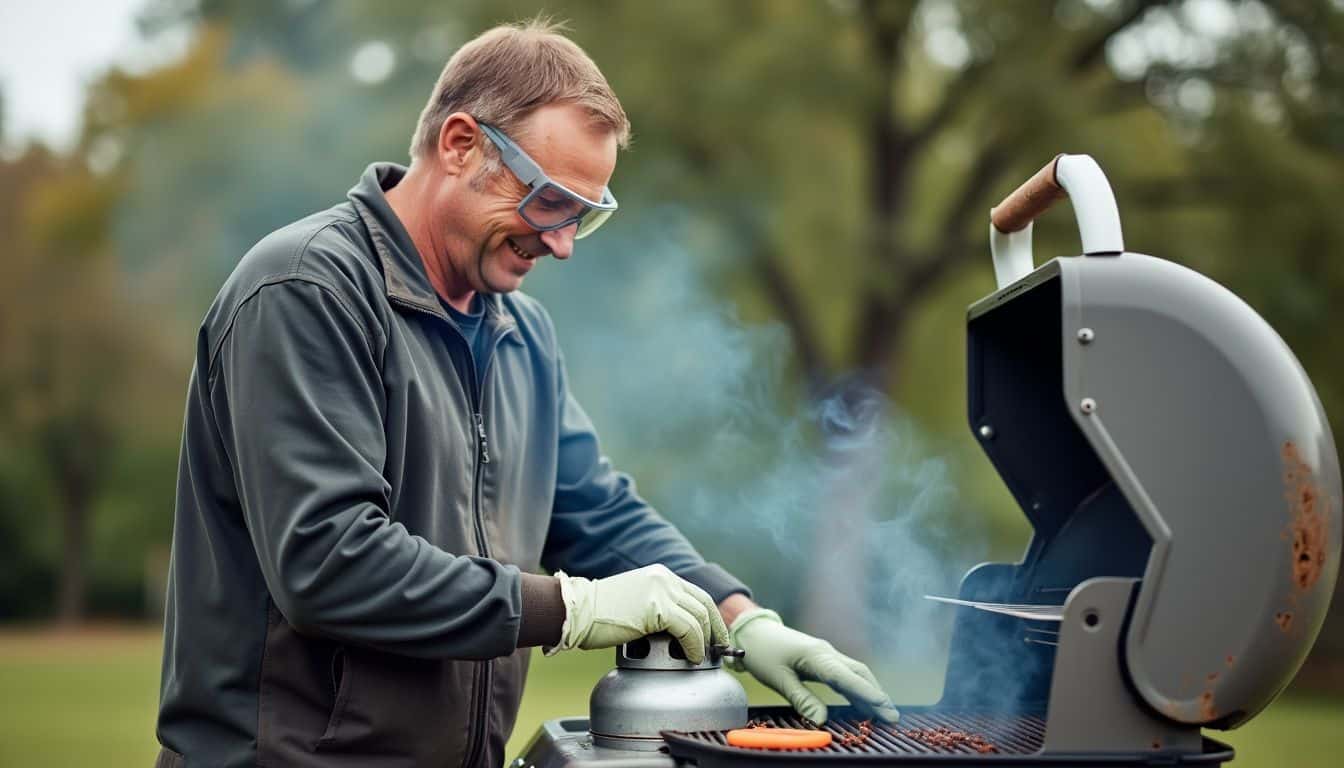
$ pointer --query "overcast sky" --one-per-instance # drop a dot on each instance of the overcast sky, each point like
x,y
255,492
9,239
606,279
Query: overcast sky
x,y
49,51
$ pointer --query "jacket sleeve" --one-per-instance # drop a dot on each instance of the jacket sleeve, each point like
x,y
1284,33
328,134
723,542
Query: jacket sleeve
x,y
297,392
600,526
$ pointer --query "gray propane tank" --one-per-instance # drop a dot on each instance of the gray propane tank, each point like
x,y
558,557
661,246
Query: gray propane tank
x,y
654,688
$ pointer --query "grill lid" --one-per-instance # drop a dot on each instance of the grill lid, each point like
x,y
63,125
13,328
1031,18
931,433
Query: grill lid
x,y
1151,424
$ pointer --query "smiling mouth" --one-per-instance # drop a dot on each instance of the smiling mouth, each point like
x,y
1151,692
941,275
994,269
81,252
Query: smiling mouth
x,y
518,249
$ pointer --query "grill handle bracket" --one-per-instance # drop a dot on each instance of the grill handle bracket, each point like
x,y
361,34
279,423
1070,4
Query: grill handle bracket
x,y
1092,709
1077,177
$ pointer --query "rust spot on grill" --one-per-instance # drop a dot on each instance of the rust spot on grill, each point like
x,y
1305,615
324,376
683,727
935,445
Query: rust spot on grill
x,y
1212,677
1231,660
1157,743
1284,619
1307,519
1206,708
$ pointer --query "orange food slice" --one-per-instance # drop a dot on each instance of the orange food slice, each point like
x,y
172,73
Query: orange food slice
x,y
778,738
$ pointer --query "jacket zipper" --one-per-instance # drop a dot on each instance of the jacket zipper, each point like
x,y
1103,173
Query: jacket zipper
x,y
484,683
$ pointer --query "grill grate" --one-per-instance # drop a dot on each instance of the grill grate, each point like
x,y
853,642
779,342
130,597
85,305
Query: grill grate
x,y
1017,740
1010,735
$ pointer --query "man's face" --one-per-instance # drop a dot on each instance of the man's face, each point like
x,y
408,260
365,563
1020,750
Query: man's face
x,y
490,245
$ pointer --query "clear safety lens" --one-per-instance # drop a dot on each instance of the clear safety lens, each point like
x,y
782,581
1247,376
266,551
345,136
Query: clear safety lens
x,y
551,206
554,207
589,224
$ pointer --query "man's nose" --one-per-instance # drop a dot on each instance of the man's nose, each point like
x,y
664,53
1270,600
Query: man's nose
x,y
560,242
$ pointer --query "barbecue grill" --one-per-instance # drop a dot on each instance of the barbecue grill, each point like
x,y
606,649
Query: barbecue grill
x,y
1183,489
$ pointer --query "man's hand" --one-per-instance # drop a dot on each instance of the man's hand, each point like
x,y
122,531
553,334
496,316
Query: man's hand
x,y
783,658
607,612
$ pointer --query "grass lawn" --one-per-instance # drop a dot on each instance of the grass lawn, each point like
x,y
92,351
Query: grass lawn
x,y
88,698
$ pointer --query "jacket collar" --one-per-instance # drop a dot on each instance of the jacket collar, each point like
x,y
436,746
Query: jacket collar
x,y
403,271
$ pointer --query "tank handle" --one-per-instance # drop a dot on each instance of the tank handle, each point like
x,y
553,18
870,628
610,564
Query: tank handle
x,y
1077,177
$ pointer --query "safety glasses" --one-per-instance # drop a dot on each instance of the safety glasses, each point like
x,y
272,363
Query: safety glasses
x,y
549,205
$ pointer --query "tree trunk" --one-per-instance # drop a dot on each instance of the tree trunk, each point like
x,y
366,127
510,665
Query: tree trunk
x,y
74,526
835,598
835,595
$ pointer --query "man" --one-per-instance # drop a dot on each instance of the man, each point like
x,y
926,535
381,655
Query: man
x,y
381,454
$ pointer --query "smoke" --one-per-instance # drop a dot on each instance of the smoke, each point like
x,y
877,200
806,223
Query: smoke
x,y
835,508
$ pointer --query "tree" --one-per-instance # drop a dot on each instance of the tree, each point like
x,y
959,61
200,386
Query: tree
x,y
72,349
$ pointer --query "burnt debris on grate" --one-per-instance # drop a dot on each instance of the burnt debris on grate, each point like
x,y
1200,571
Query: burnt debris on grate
x,y
967,733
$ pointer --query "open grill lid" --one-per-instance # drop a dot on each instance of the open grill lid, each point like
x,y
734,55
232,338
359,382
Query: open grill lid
x,y
1151,424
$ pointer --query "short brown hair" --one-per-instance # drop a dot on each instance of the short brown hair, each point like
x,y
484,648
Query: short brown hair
x,y
510,71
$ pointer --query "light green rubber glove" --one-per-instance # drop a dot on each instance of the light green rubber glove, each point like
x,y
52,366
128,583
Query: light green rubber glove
x,y
604,613
783,658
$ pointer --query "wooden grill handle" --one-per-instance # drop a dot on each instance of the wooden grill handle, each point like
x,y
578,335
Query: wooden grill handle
x,y
1077,177
1030,200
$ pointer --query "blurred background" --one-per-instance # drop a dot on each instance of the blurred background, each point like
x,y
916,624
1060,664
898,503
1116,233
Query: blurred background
x,y
770,336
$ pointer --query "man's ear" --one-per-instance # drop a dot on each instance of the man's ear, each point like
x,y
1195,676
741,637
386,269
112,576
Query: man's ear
x,y
458,137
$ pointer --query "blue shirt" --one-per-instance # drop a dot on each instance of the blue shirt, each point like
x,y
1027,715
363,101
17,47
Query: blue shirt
x,y
470,326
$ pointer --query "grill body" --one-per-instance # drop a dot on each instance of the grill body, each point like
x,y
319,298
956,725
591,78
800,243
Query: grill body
x,y
1153,428
566,743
